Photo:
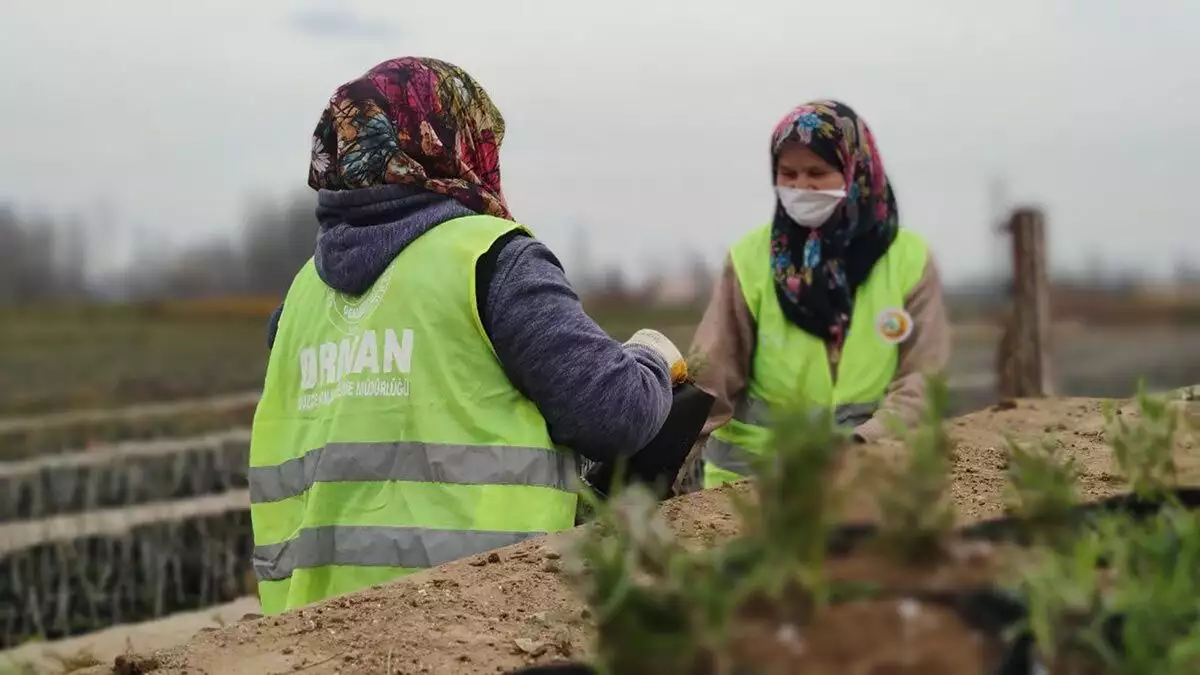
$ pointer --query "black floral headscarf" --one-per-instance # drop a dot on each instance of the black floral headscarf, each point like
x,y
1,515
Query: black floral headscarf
x,y
817,271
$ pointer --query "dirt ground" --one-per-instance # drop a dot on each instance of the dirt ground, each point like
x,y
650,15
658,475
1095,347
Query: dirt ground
x,y
489,615
104,646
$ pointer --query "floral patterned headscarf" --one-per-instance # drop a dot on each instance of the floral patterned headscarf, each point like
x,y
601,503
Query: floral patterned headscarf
x,y
817,271
414,121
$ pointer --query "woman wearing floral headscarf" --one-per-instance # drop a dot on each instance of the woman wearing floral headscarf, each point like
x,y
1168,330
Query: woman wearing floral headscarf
x,y
832,304
432,374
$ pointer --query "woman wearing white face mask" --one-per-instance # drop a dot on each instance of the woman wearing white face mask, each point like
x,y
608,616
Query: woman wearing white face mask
x,y
833,302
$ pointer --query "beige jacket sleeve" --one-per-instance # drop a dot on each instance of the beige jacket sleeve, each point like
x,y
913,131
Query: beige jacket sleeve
x,y
925,352
724,346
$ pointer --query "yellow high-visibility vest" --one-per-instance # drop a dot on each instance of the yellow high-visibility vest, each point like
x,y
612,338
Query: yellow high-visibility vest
x,y
790,365
388,438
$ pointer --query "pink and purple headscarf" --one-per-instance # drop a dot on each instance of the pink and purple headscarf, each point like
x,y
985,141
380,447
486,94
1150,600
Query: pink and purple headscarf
x,y
414,121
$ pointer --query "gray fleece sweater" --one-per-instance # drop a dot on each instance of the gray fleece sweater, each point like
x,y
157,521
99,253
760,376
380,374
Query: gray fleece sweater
x,y
599,397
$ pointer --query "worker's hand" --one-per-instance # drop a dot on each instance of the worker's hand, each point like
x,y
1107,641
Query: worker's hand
x,y
662,345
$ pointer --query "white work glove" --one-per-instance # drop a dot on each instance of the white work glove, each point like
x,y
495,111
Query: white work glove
x,y
662,345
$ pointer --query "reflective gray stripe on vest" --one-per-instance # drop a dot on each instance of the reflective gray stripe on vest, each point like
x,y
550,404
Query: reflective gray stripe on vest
x,y
725,455
853,414
411,547
424,462
752,411
756,412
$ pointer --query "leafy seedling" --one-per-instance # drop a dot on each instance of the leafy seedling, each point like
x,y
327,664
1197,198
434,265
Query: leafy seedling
x,y
1041,489
1120,596
658,607
1061,590
915,515
787,530
1144,448
11,667
1155,569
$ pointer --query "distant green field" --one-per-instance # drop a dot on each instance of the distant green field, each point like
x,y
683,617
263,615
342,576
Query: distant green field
x,y
678,323
105,357
61,359
100,357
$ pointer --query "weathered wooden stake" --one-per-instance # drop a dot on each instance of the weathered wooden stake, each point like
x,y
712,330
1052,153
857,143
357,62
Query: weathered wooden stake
x,y
1023,358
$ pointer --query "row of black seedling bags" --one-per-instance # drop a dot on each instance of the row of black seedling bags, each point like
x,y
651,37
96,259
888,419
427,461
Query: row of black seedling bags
x,y
989,611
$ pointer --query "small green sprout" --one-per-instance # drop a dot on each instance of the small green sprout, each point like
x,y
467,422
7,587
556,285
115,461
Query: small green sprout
x,y
797,504
1041,488
1156,581
1106,595
658,607
915,515
1144,449
1121,598
1061,590
11,667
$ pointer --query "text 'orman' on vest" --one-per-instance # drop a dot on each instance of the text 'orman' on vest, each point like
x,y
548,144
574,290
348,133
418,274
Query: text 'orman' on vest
x,y
332,370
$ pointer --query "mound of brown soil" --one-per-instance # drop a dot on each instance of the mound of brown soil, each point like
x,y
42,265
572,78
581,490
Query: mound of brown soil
x,y
515,607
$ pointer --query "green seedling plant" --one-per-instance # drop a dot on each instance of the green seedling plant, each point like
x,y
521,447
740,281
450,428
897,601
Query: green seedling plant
x,y
660,608
1121,597
1155,591
1144,448
1117,596
1041,490
915,516
787,530
10,667
657,606
1061,591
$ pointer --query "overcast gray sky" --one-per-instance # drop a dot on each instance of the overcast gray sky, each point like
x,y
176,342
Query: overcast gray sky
x,y
645,121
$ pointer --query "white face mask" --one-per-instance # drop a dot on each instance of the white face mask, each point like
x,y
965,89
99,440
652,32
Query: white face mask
x,y
809,208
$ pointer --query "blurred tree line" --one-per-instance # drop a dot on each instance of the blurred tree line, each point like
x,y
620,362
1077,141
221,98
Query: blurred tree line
x,y
40,259
44,259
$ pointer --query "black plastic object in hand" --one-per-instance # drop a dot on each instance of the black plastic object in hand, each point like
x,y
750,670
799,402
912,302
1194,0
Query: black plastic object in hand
x,y
657,464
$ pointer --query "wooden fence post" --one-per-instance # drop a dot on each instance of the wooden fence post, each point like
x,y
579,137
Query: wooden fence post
x,y
1023,357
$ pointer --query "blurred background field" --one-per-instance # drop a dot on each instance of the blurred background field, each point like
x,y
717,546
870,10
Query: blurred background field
x,y
62,358
102,357
75,377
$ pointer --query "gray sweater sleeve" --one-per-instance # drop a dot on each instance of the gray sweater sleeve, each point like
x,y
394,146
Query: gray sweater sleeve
x,y
599,397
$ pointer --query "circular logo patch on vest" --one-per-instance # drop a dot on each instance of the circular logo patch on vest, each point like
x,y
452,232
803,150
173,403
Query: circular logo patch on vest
x,y
347,313
894,325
